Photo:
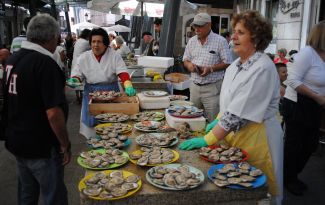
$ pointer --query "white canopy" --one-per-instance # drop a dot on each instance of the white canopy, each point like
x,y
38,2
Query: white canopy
x,y
118,28
83,25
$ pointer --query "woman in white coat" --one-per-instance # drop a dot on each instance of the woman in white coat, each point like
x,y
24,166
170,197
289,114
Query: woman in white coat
x,y
99,69
249,100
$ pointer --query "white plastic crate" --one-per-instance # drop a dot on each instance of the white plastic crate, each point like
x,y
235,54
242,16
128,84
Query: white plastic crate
x,y
182,85
155,62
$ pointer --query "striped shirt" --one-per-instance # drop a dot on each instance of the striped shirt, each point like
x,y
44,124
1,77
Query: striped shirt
x,y
214,51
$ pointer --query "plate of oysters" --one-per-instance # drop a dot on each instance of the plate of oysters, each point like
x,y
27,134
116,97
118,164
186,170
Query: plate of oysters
x,y
154,93
110,185
147,126
223,154
177,97
147,116
111,117
185,111
104,96
175,177
109,140
157,139
237,176
120,128
153,156
101,159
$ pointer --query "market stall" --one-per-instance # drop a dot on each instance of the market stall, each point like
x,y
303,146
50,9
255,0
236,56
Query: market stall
x,y
203,191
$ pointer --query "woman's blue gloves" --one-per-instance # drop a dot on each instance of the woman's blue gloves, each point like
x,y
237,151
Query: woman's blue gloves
x,y
211,125
193,143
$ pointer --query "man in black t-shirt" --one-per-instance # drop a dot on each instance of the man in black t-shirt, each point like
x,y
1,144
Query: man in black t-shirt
x,y
36,114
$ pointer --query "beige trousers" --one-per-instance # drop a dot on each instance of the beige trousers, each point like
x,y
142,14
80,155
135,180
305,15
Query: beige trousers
x,y
206,97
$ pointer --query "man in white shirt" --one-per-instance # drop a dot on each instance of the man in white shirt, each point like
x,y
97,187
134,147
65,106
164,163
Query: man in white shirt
x,y
120,47
206,56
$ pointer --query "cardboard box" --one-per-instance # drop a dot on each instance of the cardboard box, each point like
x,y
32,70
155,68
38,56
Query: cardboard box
x,y
155,61
126,105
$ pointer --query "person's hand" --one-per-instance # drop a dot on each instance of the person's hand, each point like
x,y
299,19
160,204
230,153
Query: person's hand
x,y
193,143
66,153
73,82
206,70
192,68
211,125
320,100
130,91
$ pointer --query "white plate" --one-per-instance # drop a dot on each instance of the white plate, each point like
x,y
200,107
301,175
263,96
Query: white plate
x,y
194,170
154,93
157,135
177,97
154,123
181,103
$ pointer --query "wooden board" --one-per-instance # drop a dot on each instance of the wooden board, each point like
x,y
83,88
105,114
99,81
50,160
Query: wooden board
x,y
126,105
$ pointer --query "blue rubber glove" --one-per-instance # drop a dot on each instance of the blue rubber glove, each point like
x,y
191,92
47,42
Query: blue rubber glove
x,y
197,142
73,82
211,125
130,91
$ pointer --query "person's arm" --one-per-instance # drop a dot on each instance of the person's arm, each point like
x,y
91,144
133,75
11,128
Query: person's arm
x,y
57,121
296,75
189,66
304,90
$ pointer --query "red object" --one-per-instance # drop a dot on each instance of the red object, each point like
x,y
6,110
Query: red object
x,y
279,60
124,76
220,162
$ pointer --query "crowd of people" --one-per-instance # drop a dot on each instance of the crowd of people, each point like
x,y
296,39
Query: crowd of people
x,y
240,97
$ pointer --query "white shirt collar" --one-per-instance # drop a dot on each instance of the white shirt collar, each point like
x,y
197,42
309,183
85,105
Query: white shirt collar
x,y
36,47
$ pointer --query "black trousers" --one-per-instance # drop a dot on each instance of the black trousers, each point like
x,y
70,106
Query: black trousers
x,y
302,121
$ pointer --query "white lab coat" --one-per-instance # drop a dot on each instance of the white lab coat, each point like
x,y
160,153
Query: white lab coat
x,y
91,71
80,46
254,95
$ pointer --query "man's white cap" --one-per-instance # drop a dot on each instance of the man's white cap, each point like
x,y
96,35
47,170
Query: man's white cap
x,y
111,32
201,19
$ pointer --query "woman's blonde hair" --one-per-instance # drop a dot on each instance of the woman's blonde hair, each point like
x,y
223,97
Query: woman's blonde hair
x,y
316,37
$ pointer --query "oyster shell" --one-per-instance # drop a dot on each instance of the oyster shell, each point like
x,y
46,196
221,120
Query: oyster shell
x,y
93,190
119,192
132,179
129,186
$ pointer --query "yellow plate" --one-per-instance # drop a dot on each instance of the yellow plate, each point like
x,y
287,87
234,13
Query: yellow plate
x,y
82,163
110,124
176,157
83,185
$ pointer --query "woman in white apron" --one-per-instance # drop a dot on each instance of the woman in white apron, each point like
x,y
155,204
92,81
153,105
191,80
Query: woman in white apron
x,y
99,69
249,100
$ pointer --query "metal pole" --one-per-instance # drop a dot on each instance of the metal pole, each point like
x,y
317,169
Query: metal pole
x,y
166,42
32,7
53,10
66,12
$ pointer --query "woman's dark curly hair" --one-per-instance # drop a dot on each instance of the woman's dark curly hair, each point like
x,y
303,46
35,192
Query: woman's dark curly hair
x,y
99,32
259,27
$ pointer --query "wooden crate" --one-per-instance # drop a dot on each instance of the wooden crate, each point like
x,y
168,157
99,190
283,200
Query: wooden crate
x,y
126,105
